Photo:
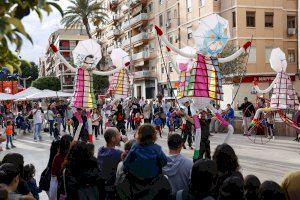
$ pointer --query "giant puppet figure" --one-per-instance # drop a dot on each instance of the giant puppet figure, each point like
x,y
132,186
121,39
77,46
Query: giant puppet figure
x,y
121,82
86,56
283,94
203,82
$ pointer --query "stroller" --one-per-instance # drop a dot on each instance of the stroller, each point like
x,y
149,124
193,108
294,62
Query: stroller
x,y
22,124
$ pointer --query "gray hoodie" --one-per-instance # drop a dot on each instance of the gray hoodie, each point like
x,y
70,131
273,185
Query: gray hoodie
x,y
178,170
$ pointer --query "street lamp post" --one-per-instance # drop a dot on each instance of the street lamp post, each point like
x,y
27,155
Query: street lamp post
x,y
24,80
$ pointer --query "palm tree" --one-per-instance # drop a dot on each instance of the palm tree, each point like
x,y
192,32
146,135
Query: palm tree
x,y
83,12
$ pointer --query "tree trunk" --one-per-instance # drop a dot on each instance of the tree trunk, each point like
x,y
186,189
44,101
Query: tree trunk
x,y
87,27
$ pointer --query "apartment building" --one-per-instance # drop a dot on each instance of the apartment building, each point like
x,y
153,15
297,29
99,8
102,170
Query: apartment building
x,y
129,28
65,40
42,66
270,23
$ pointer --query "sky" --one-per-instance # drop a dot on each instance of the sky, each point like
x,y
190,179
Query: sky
x,y
39,32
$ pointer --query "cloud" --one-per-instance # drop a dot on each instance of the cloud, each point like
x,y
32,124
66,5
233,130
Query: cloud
x,y
40,31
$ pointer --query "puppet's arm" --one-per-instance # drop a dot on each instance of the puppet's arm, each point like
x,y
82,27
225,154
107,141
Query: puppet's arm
x,y
236,54
171,46
172,61
266,90
62,59
107,73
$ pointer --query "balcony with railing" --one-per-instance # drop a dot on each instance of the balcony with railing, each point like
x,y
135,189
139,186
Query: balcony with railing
x,y
141,56
112,33
137,38
144,74
134,20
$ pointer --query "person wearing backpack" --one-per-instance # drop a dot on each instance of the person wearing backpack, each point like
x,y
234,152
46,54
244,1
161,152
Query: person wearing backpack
x,y
120,118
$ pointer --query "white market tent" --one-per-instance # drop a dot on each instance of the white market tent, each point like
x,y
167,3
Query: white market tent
x,y
6,97
27,92
45,94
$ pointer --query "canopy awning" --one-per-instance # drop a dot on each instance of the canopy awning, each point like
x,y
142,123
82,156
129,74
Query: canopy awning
x,y
6,97
25,93
45,94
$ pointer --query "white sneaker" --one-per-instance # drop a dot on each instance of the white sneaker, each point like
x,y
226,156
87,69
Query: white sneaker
x,y
273,138
35,140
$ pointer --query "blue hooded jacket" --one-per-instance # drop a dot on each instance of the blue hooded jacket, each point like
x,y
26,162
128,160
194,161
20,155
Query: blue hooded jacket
x,y
145,162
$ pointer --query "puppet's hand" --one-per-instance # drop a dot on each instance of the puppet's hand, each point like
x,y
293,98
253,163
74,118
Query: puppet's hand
x,y
53,47
246,45
158,30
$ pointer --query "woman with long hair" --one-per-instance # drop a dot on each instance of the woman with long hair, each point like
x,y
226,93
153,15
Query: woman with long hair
x,y
81,174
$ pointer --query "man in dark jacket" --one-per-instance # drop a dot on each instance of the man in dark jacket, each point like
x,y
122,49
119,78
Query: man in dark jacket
x,y
108,159
120,118
205,143
248,112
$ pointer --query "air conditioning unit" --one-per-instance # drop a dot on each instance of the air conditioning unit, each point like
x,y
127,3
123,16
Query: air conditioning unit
x,y
291,31
168,24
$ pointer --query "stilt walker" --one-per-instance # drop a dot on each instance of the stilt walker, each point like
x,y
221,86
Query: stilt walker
x,y
283,95
86,56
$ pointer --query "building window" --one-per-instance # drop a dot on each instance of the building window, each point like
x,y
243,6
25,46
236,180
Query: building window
x,y
189,32
189,5
161,1
171,39
150,7
250,18
161,20
175,14
162,68
252,55
168,24
233,19
169,15
201,3
170,67
291,56
268,51
269,19
291,21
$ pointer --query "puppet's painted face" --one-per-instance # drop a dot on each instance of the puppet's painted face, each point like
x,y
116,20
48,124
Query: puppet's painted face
x,y
88,62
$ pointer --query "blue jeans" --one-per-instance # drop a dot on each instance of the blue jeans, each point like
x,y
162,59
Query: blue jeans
x,y
37,131
9,140
51,122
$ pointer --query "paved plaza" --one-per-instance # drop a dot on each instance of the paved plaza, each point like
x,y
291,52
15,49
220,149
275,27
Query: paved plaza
x,y
269,161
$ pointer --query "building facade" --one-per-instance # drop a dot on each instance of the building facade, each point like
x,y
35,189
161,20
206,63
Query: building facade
x,y
129,28
42,66
65,40
269,23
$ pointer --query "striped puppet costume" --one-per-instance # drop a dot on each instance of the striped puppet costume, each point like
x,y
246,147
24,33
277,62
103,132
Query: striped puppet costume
x,y
202,83
121,84
283,95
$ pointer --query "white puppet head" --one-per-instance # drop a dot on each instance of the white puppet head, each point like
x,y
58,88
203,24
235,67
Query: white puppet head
x,y
87,54
212,35
278,61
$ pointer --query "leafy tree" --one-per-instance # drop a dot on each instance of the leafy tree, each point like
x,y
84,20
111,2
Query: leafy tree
x,y
28,69
11,26
100,84
50,83
235,67
84,12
